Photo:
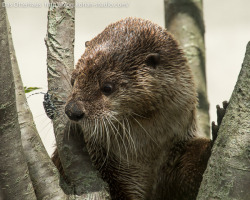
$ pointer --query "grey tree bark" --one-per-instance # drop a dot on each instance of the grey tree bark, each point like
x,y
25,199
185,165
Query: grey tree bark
x,y
15,181
60,63
184,18
43,173
228,173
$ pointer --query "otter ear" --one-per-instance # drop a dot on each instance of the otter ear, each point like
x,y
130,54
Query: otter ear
x,y
152,59
86,43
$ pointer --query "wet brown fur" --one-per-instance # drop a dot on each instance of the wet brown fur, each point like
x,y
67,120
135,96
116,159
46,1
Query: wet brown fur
x,y
143,137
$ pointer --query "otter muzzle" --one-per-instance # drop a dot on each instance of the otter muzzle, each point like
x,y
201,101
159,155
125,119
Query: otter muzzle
x,y
74,111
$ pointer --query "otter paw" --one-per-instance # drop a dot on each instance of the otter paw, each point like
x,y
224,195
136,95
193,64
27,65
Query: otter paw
x,y
220,114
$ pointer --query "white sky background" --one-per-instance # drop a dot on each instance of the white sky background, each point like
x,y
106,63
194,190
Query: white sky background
x,y
227,33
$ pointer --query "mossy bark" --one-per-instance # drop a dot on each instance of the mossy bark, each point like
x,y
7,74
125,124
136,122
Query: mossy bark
x,y
15,180
228,173
184,19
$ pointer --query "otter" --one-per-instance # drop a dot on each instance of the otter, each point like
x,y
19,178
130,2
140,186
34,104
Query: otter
x,y
134,97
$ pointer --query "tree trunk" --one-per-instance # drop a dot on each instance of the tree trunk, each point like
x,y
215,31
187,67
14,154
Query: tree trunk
x,y
15,180
44,176
60,63
184,18
228,173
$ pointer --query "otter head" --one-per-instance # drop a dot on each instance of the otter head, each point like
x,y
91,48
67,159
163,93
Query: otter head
x,y
133,71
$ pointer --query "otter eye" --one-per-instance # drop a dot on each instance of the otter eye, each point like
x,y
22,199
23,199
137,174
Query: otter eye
x,y
107,88
153,59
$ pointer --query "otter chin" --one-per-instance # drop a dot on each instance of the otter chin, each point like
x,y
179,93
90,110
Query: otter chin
x,y
134,97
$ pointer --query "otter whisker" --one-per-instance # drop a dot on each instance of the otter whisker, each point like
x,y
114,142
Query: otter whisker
x,y
98,135
115,136
89,127
121,126
108,136
40,115
122,137
132,140
102,128
139,115
59,108
96,132
59,119
108,141
45,126
144,130
129,139
126,132
103,141
92,133
117,131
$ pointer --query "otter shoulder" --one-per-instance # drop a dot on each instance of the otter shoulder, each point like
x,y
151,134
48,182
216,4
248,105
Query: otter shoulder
x,y
180,176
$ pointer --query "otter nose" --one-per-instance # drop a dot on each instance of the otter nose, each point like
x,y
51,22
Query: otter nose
x,y
73,111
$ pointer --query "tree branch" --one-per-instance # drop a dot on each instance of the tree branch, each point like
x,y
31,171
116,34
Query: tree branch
x,y
43,173
15,180
228,173
184,18
60,46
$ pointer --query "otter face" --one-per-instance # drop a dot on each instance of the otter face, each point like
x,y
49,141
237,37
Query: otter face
x,y
101,91
133,69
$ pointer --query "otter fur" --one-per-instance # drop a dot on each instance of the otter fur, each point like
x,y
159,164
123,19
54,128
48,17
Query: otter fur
x,y
135,99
